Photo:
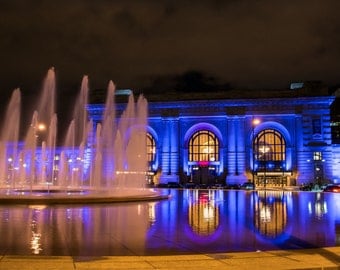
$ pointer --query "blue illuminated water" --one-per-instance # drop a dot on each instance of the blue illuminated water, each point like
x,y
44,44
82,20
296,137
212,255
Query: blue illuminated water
x,y
191,221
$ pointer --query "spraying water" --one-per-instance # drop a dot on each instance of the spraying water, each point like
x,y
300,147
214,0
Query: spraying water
x,y
109,155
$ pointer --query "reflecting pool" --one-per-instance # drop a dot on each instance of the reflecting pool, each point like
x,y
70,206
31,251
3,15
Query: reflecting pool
x,y
190,221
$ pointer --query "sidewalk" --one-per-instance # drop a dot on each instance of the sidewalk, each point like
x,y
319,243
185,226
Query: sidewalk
x,y
325,258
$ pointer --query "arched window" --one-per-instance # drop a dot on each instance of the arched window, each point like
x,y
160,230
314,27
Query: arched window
x,y
203,146
150,148
270,150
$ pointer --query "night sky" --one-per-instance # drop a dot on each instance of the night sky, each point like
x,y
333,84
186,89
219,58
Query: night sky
x,y
149,45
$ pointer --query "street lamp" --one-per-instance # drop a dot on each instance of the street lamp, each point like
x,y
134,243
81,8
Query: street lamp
x,y
41,127
39,133
254,123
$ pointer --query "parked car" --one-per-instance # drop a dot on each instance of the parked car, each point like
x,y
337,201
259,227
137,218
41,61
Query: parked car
x,y
174,185
190,185
248,186
216,186
332,188
306,187
232,186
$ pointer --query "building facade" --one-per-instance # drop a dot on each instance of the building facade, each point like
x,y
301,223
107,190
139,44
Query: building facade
x,y
280,138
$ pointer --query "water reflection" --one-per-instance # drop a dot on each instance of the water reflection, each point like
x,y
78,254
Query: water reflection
x,y
271,213
152,213
36,221
337,233
191,221
203,214
319,207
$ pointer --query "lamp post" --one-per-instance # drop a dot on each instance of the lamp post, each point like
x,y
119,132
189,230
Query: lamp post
x,y
40,130
254,123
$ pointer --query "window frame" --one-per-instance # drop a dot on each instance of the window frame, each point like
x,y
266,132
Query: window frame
x,y
200,140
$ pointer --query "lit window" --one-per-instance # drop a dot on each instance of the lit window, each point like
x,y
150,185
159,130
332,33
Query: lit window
x,y
270,146
317,156
150,147
204,146
270,150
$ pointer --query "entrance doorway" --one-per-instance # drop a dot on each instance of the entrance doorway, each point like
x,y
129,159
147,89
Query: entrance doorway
x,y
203,175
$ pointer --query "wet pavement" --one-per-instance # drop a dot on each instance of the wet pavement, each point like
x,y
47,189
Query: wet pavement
x,y
193,229
325,258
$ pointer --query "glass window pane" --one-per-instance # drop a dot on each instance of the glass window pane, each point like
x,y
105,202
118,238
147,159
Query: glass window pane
x,y
203,146
270,148
150,147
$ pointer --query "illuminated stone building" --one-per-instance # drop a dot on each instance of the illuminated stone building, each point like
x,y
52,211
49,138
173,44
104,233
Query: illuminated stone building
x,y
273,138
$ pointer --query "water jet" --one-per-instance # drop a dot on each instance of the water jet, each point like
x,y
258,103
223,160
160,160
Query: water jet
x,y
104,162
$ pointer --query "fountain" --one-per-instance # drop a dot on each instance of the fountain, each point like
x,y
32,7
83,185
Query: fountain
x,y
97,162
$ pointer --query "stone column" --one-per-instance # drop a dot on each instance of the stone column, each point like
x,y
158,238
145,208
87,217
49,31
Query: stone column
x,y
170,150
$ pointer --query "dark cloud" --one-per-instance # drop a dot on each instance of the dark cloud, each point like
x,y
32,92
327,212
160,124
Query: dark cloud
x,y
253,44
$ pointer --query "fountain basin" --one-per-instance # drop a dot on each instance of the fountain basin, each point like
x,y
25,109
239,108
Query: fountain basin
x,y
81,196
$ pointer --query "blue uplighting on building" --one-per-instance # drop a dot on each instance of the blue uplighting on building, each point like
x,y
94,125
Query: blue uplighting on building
x,y
214,141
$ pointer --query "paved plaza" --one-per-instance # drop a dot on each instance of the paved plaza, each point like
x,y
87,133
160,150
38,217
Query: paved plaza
x,y
325,258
